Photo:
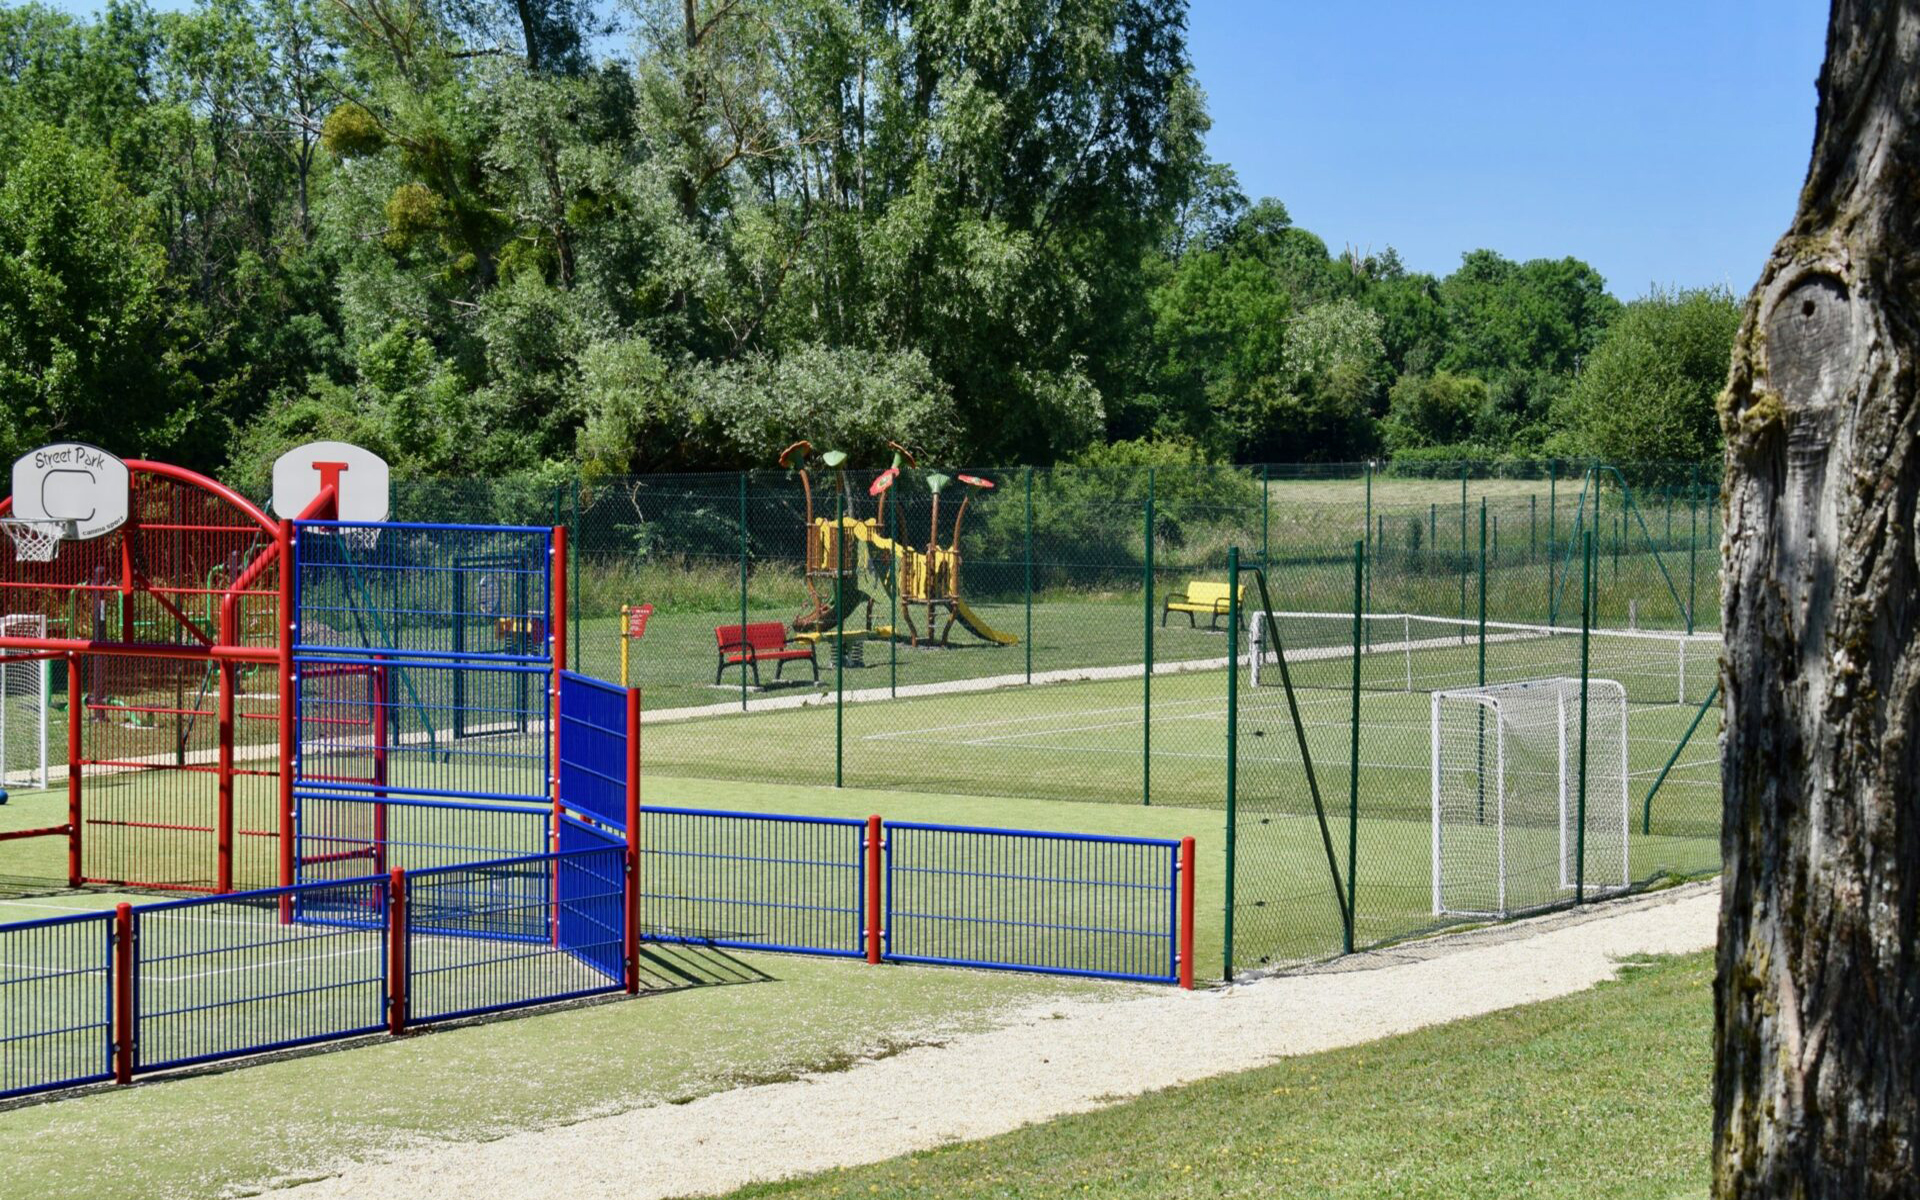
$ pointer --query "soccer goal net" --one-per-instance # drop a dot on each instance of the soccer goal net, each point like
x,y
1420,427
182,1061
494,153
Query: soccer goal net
x,y
25,690
1517,822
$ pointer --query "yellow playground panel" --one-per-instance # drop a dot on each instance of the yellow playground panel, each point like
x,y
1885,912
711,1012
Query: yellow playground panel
x,y
852,547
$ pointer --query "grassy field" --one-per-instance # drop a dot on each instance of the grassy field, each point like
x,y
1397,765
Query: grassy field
x,y
1598,1095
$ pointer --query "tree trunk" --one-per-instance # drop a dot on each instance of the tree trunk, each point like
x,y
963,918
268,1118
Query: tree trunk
x,y
1817,1074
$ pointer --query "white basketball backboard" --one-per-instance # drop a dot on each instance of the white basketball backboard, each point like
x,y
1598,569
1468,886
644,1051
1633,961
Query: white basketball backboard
x,y
81,486
359,478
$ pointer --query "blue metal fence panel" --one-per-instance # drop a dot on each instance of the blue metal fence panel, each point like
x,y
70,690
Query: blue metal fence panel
x,y
221,976
445,591
339,835
468,951
591,890
593,748
1020,899
753,881
423,727
56,1003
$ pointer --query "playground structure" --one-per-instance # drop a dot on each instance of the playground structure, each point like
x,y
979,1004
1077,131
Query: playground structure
x,y
845,553
384,800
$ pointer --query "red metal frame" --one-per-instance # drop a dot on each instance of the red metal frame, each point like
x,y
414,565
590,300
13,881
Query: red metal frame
x,y
223,652
397,952
124,1023
874,930
1186,913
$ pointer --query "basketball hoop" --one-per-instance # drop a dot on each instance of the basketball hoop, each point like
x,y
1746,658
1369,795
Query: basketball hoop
x,y
36,541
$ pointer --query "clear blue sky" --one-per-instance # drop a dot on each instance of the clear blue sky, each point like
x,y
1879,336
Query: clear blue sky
x,y
1664,143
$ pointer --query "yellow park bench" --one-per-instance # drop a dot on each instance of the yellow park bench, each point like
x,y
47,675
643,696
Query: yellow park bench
x,y
1202,599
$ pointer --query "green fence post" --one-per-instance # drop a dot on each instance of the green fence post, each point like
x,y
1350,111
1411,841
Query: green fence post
x,y
1433,535
893,594
1480,640
1533,526
1266,503
1693,542
1646,810
743,577
1483,591
1146,672
1353,762
1553,513
1586,632
1029,574
839,634
1233,750
1369,548
1463,543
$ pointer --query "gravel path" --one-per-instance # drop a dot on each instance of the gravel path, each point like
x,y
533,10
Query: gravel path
x,y
1054,1058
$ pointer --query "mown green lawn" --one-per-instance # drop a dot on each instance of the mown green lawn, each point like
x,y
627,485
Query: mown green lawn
x,y
1599,1095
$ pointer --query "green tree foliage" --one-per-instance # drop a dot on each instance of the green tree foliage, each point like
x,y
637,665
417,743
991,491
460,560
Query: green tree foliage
x,y
449,231
87,349
1647,393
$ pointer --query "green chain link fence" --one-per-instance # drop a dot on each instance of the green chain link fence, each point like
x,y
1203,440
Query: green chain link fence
x,y
1086,645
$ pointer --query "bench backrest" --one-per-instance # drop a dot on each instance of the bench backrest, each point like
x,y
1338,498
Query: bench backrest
x,y
760,635
1203,592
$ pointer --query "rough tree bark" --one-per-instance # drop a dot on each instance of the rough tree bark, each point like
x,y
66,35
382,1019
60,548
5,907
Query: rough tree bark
x,y
1817,1076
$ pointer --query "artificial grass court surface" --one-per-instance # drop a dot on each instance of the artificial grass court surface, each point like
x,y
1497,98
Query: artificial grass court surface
x,y
735,1019
1597,1095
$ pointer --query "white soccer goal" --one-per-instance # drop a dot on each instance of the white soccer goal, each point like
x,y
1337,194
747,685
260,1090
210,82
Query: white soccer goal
x,y
25,692
1507,795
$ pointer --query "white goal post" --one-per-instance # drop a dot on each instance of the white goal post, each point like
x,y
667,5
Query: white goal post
x,y
26,686
1507,808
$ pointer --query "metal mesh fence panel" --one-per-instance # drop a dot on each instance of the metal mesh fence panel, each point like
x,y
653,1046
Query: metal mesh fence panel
x,y
1053,903
350,835
491,936
753,881
221,976
56,1003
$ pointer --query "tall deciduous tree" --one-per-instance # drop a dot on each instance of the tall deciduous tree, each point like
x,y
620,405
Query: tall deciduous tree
x,y
1817,1079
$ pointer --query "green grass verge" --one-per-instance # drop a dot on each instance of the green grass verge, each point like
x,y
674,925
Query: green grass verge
x,y
1601,1094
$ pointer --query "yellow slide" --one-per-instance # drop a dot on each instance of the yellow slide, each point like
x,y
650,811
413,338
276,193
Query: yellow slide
x,y
979,628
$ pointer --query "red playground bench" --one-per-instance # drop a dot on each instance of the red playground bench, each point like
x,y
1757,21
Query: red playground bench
x,y
747,646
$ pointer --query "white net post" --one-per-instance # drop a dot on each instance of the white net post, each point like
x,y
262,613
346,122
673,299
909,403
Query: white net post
x,y
25,694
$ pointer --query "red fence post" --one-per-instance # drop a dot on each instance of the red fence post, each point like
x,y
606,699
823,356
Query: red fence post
x,y
1186,913
223,813
874,931
397,952
630,921
123,1019
76,712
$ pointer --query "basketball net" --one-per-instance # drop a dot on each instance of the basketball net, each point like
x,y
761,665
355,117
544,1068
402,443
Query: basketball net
x,y
35,541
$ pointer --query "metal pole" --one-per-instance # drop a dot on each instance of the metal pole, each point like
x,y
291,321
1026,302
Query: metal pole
x,y
573,564
1586,632
1553,514
839,634
1353,762
1463,542
1029,574
1483,591
1369,546
893,593
743,578
1693,542
1266,502
1646,812
1233,747
1146,673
